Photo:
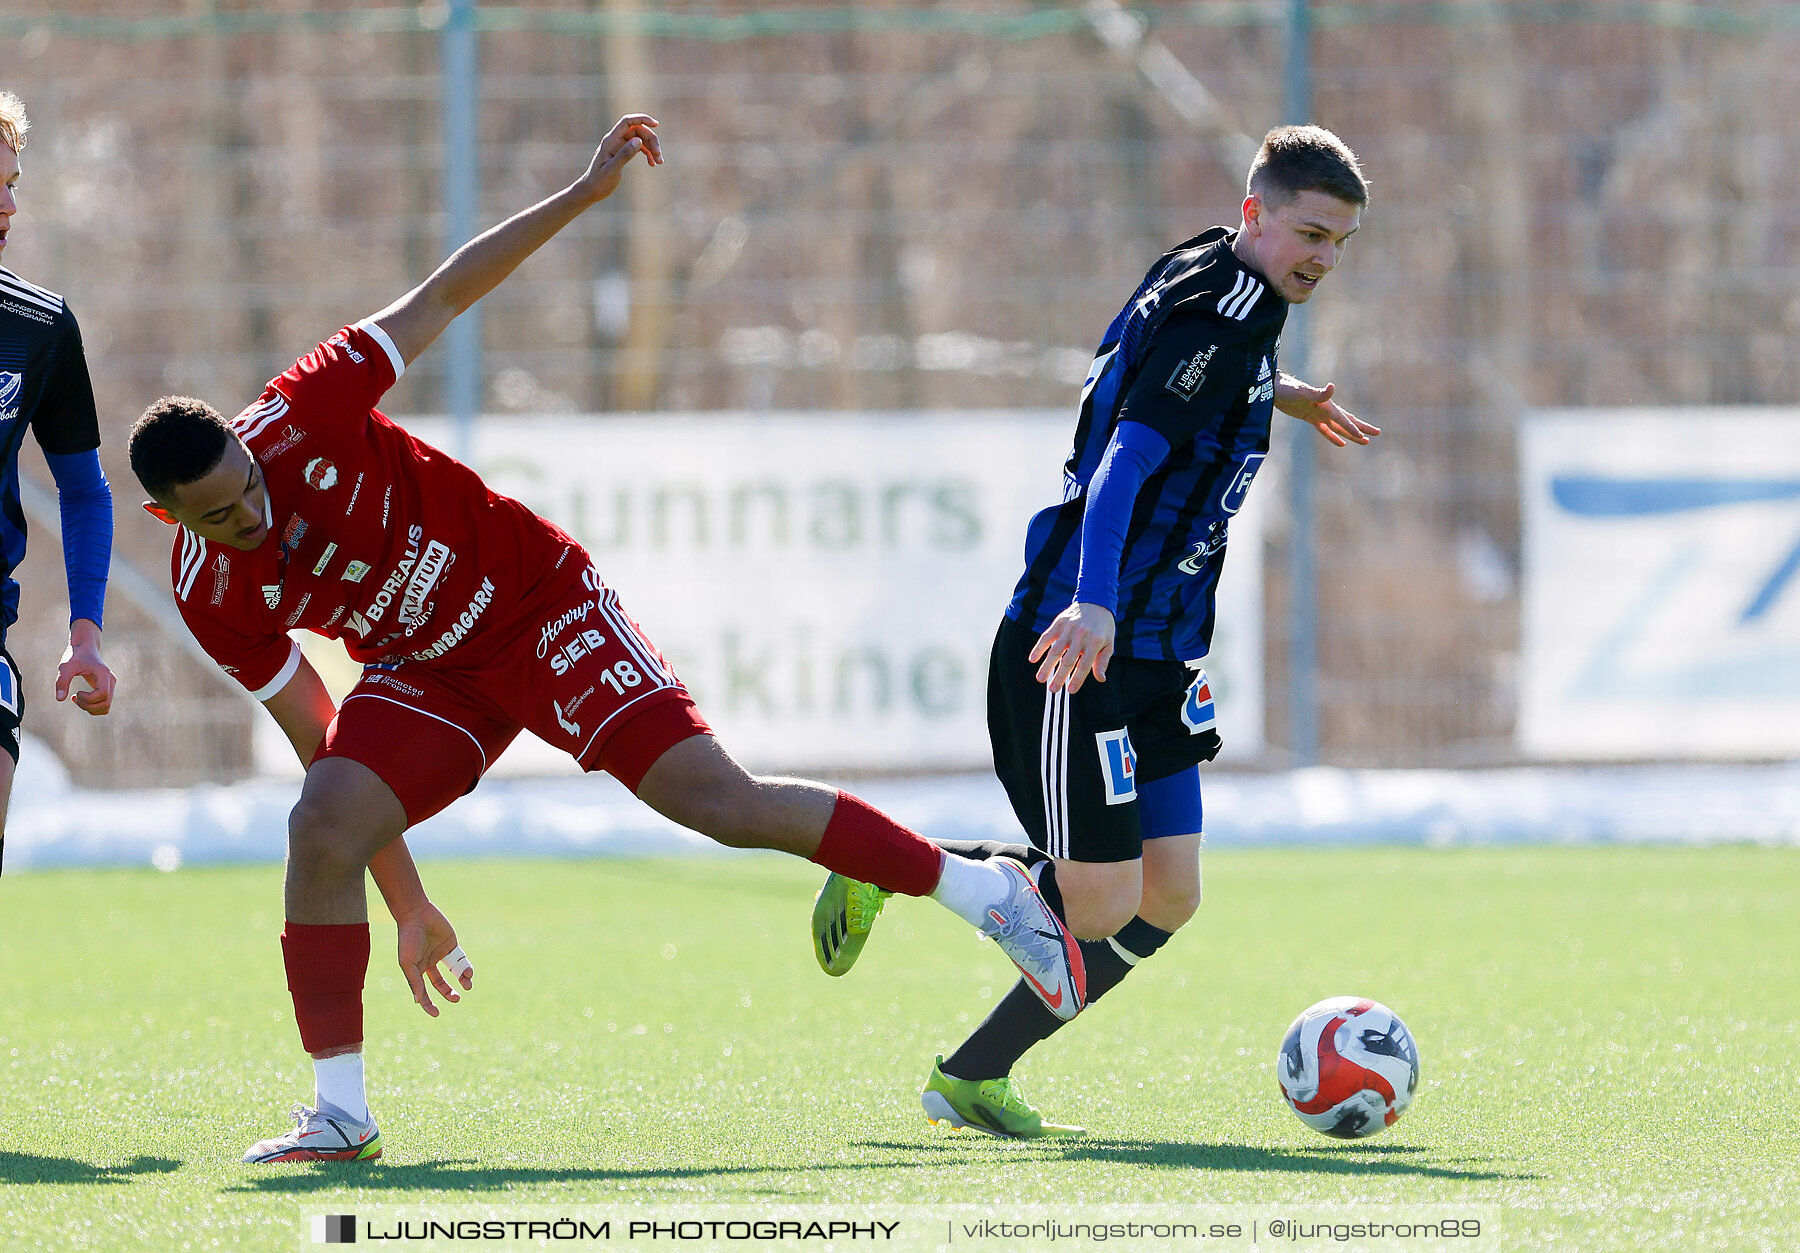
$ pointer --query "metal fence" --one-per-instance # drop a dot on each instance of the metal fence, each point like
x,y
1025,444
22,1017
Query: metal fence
x,y
884,206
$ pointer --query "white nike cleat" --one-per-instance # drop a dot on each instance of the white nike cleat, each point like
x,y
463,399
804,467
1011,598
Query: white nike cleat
x,y
320,1137
1028,931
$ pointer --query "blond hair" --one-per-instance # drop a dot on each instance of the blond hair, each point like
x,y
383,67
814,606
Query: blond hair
x,y
13,122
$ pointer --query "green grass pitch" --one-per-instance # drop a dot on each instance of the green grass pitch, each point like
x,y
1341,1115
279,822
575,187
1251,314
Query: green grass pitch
x,y
1608,1035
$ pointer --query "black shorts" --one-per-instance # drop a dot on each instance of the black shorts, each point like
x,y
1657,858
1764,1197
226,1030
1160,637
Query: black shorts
x,y
1071,763
12,705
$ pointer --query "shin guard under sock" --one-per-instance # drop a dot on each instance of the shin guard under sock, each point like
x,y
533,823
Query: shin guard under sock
x,y
1020,1020
862,843
326,965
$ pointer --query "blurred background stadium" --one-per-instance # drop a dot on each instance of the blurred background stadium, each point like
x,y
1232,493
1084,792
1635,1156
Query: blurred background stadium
x,y
892,209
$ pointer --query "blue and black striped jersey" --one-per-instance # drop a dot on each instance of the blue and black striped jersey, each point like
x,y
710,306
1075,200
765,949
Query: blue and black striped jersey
x,y
44,385
1192,357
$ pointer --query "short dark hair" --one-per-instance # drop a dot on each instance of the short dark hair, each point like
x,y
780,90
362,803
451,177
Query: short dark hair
x,y
177,440
1294,159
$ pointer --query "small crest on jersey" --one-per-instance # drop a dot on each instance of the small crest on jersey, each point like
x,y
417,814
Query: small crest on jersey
x,y
11,384
290,436
324,559
1197,709
355,570
1118,765
293,532
320,474
1191,373
272,594
221,578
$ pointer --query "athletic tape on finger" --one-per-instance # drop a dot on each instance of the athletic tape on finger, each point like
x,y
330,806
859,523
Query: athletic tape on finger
x,y
458,962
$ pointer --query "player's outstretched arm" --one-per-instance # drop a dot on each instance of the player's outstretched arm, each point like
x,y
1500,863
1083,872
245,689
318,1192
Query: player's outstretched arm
x,y
303,709
476,268
1316,407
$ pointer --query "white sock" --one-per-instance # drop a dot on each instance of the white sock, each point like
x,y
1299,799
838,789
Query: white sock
x,y
967,888
338,1082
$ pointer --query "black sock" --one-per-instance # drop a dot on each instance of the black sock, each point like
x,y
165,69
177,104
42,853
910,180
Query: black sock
x,y
1020,1020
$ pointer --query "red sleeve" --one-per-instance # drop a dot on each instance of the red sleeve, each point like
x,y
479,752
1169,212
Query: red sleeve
x,y
344,376
263,662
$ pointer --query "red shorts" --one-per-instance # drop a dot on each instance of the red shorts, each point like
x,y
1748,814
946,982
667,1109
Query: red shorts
x,y
588,682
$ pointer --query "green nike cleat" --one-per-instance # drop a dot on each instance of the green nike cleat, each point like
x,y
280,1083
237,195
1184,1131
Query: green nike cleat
x,y
994,1107
843,912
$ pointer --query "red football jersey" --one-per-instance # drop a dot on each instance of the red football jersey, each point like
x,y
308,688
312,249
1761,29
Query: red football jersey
x,y
375,537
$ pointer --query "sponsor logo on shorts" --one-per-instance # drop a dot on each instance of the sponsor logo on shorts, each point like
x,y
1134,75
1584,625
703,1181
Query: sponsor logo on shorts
x,y
573,728
575,704
1197,709
556,626
1188,376
324,559
11,384
580,645
221,567
1118,765
9,689
299,609
290,435
320,474
386,679
354,571
465,622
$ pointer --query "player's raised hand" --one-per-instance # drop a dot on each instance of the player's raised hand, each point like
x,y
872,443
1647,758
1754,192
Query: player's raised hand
x,y
634,133
1077,644
81,660
427,939
1315,407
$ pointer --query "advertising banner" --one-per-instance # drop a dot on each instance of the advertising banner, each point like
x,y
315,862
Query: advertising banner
x,y
829,584
1662,583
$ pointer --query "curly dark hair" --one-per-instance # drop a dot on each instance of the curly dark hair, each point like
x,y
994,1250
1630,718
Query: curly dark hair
x,y
177,440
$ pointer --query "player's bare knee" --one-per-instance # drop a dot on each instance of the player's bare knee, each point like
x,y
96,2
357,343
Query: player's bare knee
x,y
1095,911
323,839
1169,907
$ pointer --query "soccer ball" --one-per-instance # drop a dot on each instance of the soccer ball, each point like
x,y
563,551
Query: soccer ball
x,y
1348,1067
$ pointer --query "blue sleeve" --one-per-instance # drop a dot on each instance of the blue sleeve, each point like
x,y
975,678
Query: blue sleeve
x,y
1131,457
87,526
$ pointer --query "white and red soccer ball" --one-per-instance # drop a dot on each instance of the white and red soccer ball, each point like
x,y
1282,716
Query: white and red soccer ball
x,y
1348,1067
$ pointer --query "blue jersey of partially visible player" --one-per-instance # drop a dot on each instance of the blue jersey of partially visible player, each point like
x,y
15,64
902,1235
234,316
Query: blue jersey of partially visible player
x,y
44,385
1188,367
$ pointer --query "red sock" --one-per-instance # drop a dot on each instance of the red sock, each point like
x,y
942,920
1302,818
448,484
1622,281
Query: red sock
x,y
861,842
325,970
